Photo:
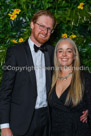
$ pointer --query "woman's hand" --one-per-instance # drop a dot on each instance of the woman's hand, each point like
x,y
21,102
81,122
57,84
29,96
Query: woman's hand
x,y
84,116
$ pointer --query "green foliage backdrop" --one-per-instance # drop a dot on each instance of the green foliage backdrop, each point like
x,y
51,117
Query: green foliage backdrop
x,y
73,20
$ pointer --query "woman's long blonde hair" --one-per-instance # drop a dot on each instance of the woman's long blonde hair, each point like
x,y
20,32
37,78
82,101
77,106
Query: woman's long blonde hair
x,y
75,93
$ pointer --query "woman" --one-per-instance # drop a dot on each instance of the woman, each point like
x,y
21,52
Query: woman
x,y
68,95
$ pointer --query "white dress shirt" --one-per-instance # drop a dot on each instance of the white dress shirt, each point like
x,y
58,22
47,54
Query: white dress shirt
x,y
39,65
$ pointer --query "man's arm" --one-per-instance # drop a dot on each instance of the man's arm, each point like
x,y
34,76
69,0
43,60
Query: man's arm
x,y
6,90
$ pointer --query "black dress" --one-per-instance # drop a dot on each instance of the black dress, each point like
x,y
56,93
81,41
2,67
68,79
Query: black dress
x,y
65,120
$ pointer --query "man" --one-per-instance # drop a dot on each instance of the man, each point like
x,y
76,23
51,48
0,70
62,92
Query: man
x,y
24,93
27,80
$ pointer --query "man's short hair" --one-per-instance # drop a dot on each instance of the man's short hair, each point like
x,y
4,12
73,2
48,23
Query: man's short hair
x,y
46,13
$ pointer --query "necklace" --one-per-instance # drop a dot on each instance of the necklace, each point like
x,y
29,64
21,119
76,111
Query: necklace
x,y
64,78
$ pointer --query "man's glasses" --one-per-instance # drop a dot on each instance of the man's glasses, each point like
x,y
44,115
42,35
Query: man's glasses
x,y
43,28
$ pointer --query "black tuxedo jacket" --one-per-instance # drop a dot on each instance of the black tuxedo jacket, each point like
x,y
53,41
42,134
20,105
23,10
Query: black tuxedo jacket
x,y
18,88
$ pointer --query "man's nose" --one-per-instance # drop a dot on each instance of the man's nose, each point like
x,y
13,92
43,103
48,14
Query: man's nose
x,y
45,30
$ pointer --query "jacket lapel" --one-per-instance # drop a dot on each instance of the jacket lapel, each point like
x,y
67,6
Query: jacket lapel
x,y
48,71
30,65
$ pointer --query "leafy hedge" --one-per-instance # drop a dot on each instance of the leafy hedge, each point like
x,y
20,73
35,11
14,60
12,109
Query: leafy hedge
x,y
73,20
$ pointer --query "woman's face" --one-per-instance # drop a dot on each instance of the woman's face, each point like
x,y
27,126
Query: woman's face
x,y
65,54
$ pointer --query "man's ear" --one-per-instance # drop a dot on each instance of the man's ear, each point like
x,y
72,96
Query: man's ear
x,y
32,25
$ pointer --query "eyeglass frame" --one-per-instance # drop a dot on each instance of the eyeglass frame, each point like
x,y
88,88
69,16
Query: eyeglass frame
x,y
44,27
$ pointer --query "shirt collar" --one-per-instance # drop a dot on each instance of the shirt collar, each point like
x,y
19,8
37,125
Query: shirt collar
x,y
31,44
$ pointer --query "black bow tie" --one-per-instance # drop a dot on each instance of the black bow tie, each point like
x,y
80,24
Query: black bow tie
x,y
41,48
